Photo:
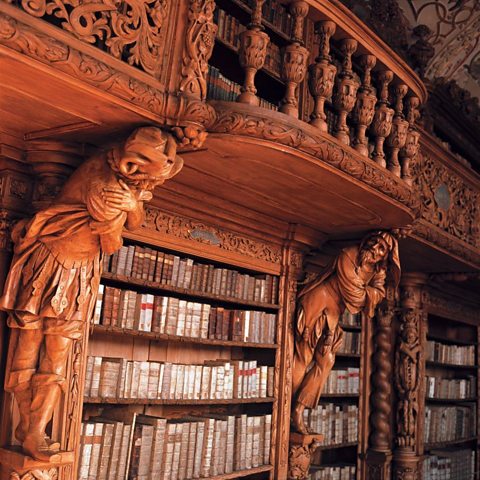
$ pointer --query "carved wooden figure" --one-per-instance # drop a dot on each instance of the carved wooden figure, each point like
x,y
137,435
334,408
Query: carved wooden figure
x,y
382,120
52,284
295,58
253,51
321,75
356,280
346,93
412,143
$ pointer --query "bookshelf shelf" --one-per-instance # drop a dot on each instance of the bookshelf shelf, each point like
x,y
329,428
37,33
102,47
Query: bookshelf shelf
x,y
336,446
146,401
437,445
102,329
437,338
431,363
451,400
242,473
162,288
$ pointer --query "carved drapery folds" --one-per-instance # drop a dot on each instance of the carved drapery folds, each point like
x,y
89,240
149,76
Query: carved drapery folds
x,y
448,202
199,42
129,29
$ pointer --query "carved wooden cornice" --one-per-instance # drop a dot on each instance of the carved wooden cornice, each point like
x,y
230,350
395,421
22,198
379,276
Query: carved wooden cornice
x,y
144,94
442,304
238,119
189,229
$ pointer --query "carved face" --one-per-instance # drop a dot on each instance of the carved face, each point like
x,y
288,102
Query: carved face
x,y
375,250
148,158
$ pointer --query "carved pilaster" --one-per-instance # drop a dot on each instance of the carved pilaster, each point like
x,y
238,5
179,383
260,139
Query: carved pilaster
x,y
199,42
379,453
291,266
409,374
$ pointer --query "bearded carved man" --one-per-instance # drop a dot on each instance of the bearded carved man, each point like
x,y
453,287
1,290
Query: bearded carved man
x,y
356,281
52,285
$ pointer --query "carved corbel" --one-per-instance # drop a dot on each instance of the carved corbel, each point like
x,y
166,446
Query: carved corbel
x,y
302,449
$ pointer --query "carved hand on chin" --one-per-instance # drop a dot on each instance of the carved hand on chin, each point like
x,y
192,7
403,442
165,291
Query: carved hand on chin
x,y
124,198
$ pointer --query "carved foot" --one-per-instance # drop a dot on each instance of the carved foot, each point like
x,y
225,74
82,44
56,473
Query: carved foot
x,y
297,420
36,446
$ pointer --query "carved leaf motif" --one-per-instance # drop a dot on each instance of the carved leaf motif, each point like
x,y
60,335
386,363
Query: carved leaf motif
x,y
130,29
51,474
199,42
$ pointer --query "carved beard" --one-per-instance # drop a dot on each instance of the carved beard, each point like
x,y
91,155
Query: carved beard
x,y
365,256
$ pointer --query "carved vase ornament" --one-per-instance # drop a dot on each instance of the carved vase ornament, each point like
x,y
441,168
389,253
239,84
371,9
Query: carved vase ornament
x,y
252,54
321,75
365,106
295,58
346,92
382,120
412,144
356,281
398,135
51,288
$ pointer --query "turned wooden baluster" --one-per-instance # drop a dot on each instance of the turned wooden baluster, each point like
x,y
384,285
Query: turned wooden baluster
x,y
346,94
321,75
382,120
365,106
253,51
398,136
295,58
412,144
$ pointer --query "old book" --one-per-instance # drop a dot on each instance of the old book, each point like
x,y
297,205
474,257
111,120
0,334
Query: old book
x,y
154,464
144,379
98,305
129,260
152,265
107,306
127,386
175,270
124,452
159,267
109,374
135,379
190,462
166,473
88,376
182,313
145,452
183,461
172,316
86,450
166,381
207,450
113,461
135,453
187,280
153,380
97,366
177,450
199,448
105,451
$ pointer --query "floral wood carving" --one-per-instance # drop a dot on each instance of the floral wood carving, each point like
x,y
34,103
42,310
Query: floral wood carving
x,y
441,305
129,29
51,474
187,228
231,119
447,201
199,42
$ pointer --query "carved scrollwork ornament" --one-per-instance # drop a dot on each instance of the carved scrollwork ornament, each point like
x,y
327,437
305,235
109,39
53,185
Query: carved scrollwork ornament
x,y
199,43
50,474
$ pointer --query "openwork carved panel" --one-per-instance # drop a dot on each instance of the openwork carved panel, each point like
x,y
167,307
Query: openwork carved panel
x,y
190,229
130,30
447,201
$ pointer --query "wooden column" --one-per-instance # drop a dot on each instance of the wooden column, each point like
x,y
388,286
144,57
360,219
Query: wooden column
x,y
379,453
409,379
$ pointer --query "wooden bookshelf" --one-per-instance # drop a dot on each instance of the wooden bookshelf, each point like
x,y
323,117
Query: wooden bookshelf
x,y
146,401
243,473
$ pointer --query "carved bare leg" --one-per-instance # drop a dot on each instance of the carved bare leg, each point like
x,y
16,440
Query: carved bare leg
x,y
24,364
46,391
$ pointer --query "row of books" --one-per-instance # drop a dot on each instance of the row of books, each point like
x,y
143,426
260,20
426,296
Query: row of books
x,y
275,13
168,315
455,389
153,448
351,319
229,29
445,424
451,354
347,472
149,264
216,379
351,343
220,87
343,381
449,464
338,423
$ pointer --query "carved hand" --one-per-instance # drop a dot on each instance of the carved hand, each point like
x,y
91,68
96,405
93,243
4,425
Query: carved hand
x,y
121,198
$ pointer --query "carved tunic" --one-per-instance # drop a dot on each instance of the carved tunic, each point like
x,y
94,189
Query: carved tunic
x,y
56,270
